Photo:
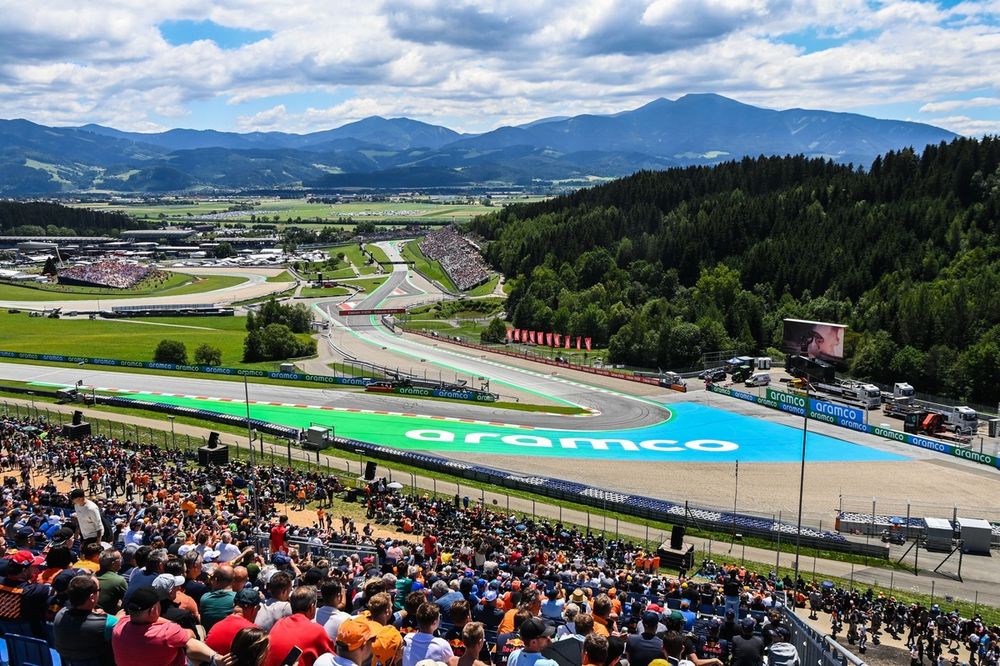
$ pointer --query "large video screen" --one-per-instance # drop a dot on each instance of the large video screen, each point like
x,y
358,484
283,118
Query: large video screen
x,y
814,339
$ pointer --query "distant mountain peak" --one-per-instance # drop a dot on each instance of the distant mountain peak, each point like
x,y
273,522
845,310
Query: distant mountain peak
x,y
697,128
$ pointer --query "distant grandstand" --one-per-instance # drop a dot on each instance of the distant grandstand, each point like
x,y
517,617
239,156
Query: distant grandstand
x,y
458,256
108,274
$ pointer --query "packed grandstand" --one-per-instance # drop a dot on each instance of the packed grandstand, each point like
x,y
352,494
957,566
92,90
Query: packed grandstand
x,y
106,273
458,256
120,553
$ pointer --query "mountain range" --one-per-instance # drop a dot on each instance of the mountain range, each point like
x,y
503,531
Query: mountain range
x,y
398,153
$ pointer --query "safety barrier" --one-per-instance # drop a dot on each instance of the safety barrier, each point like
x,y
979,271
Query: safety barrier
x,y
852,418
569,366
814,648
201,369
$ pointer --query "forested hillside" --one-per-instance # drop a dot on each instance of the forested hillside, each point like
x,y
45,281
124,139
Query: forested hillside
x,y
48,219
662,266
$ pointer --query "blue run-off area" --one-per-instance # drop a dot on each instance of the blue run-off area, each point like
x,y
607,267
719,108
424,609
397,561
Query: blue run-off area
x,y
756,440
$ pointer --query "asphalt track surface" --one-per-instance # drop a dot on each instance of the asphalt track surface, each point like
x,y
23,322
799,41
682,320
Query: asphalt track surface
x,y
611,409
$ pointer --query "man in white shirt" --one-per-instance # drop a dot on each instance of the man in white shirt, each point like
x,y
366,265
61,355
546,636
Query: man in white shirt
x,y
329,614
424,645
88,517
228,551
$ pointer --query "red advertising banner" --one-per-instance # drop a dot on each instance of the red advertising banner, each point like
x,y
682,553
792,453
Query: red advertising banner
x,y
517,334
586,341
567,341
531,337
558,340
548,339
510,334
578,339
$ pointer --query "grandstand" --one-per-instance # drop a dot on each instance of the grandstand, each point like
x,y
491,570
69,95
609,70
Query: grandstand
x,y
107,273
458,256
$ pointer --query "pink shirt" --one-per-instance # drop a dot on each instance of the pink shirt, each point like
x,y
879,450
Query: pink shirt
x,y
145,644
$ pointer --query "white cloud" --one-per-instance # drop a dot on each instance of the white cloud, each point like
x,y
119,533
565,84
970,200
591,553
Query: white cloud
x,y
968,126
955,104
476,64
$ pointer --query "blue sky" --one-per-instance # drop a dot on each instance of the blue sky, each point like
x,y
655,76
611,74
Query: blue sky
x,y
473,65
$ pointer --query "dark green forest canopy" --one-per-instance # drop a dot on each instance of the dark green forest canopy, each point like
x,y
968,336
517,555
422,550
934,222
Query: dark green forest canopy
x,y
50,219
662,266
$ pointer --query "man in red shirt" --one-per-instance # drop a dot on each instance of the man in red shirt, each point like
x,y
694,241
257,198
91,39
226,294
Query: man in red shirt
x,y
141,640
299,630
245,609
278,535
430,546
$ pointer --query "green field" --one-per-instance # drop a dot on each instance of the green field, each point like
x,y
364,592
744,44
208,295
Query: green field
x,y
300,212
367,284
485,289
125,339
178,284
378,253
283,276
430,269
468,331
316,292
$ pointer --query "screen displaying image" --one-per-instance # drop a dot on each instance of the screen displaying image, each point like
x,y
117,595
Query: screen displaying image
x,y
814,339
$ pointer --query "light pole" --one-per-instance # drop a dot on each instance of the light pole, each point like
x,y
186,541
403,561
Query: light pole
x,y
173,439
802,486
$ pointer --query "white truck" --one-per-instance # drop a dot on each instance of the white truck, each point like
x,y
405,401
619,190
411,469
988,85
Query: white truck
x,y
861,394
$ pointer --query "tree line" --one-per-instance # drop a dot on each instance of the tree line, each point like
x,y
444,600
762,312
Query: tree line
x,y
663,266
36,218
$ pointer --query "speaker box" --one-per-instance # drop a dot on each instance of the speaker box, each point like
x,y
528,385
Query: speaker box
x,y
77,417
213,440
370,468
76,431
213,455
677,536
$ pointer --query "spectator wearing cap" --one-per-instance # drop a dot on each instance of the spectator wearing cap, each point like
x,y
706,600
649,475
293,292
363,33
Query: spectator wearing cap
x,y
424,644
299,630
167,585
22,601
536,636
645,646
88,517
141,640
354,644
112,585
329,615
246,605
782,652
78,631
24,539
387,648
218,603
486,610
279,589
747,649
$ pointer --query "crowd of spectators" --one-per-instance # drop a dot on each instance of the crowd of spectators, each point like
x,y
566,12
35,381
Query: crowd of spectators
x,y
458,256
151,560
106,273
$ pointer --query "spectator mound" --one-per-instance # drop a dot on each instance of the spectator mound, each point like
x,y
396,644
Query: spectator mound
x,y
106,274
458,256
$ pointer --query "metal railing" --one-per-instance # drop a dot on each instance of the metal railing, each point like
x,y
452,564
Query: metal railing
x,y
815,648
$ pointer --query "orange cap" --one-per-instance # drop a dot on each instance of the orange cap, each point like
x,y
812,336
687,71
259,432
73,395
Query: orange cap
x,y
354,633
